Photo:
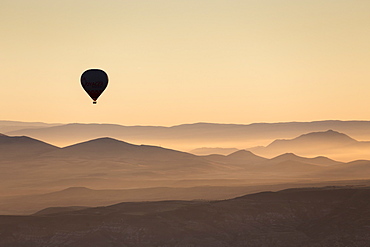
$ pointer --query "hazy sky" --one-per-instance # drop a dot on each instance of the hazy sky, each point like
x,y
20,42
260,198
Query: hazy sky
x,y
183,61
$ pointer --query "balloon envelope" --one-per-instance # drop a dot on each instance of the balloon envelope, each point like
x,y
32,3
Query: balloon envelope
x,y
94,81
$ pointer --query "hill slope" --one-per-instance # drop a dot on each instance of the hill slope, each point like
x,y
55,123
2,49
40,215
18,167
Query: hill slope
x,y
290,218
15,147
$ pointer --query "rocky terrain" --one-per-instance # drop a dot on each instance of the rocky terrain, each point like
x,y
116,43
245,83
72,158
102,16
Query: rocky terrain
x,y
329,216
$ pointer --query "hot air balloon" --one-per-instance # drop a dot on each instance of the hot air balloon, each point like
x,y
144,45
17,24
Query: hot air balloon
x,y
94,81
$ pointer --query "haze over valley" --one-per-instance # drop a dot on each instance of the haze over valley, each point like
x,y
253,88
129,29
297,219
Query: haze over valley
x,y
107,179
341,140
206,184
33,166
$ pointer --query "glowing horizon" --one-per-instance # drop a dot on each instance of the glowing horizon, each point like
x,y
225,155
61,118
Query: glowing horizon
x,y
171,61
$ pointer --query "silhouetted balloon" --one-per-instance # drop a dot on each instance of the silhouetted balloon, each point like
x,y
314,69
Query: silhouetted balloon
x,y
94,81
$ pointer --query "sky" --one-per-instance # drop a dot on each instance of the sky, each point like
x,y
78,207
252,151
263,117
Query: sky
x,y
184,61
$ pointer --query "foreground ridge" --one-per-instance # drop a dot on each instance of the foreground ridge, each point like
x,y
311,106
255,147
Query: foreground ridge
x,y
294,217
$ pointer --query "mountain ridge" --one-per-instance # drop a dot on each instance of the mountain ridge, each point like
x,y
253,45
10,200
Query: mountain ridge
x,y
203,134
324,143
324,136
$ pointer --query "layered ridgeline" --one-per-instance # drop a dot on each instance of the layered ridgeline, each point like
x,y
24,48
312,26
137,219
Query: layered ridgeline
x,y
8,126
32,167
187,136
295,217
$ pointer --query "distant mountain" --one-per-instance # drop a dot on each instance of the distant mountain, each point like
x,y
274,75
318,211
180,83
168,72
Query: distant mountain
x,y
7,126
294,217
328,143
22,147
191,136
326,139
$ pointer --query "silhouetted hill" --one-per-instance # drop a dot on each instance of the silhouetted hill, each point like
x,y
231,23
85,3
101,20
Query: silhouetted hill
x,y
143,155
65,135
22,147
296,217
108,146
99,163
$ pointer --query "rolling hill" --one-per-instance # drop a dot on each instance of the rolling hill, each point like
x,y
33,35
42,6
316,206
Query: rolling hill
x,y
107,163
